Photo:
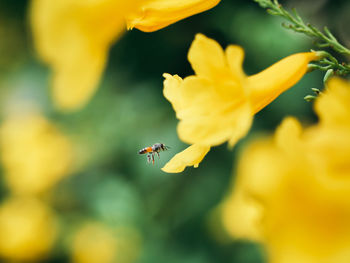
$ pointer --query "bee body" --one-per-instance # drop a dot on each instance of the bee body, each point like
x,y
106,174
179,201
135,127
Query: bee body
x,y
152,150
145,150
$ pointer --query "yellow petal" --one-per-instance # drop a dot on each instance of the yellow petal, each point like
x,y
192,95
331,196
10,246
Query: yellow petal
x,y
241,217
267,85
287,136
241,122
201,96
73,37
329,150
260,168
206,56
190,97
74,84
172,92
209,118
333,106
191,156
216,129
235,56
156,14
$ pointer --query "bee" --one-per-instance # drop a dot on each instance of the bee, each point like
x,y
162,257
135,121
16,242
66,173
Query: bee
x,y
152,150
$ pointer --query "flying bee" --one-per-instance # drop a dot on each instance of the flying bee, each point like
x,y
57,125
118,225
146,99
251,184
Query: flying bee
x,y
152,150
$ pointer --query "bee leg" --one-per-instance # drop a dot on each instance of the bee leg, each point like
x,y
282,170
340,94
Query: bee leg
x,y
158,155
148,158
153,158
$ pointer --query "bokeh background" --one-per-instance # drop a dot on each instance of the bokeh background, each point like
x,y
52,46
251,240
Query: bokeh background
x,y
107,204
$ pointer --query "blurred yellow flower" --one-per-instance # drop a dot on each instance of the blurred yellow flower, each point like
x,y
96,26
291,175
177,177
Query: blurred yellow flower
x,y
97,243
218,103
73,37
28,230
35,155
297,187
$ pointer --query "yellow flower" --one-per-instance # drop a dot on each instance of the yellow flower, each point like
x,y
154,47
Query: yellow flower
x,y
97,243
28,230
297,187
73,37
218,103
35,155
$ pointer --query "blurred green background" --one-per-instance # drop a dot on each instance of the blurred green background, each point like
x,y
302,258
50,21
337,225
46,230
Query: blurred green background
x,y
114,185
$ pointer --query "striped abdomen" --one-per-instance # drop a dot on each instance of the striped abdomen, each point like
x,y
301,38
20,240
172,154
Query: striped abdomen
x,y
145,150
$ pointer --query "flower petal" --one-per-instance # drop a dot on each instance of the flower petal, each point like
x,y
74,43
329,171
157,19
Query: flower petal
x,y
241,217
192,155
156,14
172,92
267,85
333,107
75,83
207,58
191,97
216,129
209,118
287,136
235,56
255,176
